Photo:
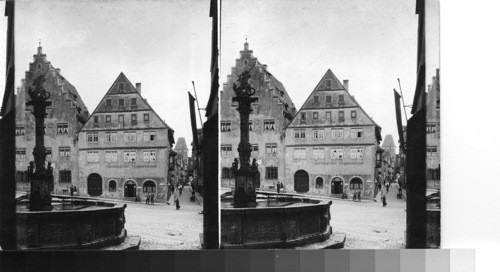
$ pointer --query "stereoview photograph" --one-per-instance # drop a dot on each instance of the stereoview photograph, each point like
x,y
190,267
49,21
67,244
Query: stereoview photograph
x,y
329,124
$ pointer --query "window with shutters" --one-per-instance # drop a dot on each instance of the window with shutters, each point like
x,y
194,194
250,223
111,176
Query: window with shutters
x,y
146,117
353,114
49,152
431,127
130,136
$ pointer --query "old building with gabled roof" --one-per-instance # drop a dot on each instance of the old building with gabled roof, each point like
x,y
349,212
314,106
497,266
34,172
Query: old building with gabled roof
x,y
124,146
271,113
66,115
330,145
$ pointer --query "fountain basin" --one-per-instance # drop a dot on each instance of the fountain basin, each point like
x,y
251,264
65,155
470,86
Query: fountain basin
x,y
278,221
72,224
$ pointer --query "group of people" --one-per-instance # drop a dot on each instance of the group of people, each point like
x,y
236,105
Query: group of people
x,y
150,199
279,186
356,196
72,190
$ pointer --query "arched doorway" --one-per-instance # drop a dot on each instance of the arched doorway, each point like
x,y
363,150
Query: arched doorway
x,y
337,185
301,181
355,184
149,187
94,185
130,188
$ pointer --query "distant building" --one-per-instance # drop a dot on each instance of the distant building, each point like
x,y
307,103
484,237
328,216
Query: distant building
x,y
124,147
433,135
272,112
65,117
331,143
182,158
388,158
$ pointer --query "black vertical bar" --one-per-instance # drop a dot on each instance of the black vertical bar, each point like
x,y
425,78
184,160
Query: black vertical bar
x,y
7,143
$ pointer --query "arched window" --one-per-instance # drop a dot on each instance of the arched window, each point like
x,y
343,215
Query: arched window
x,y
245,62
112,185
356,183
149,187
319,182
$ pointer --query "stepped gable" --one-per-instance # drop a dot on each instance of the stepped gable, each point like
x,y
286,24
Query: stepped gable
x,y
41,66
388,141
123,88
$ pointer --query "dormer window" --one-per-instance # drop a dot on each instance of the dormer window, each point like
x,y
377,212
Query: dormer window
x,y
316,99
328,83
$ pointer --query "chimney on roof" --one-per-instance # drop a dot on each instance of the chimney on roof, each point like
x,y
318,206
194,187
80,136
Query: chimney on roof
x,y
138,87
58,70
346,84
265,67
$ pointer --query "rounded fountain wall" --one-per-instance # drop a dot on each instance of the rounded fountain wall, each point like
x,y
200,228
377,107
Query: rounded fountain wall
x,y
72,224
278,221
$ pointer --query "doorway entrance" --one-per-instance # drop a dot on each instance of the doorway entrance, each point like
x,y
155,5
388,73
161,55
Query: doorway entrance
x,y
130,190
301,181
337,185
94,184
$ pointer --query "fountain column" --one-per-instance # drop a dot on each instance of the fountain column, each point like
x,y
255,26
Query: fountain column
x,y
41,178
244,192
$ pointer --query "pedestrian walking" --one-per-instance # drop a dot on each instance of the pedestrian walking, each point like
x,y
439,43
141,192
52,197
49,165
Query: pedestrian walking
x,y
387,185
384,202
176,200
359,195
71,188
180,189
147,199
354,195
278,187
152,199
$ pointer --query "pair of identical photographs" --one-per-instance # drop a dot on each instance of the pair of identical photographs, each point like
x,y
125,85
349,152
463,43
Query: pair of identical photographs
x,y
225,124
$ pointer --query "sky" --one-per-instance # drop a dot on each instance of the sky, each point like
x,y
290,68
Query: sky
x,y
370,43
162,44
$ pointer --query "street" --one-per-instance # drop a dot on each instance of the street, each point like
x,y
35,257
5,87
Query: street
x,y
162,227
368,225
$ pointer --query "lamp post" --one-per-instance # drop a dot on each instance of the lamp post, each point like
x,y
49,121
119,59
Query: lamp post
x,y
41,178
244,192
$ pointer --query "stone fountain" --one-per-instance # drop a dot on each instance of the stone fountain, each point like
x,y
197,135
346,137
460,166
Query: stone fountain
x,y
251,219
45,221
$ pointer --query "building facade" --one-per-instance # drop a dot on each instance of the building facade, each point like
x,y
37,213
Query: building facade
x,y
331,143
66,115
124,147
272,112
433,158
